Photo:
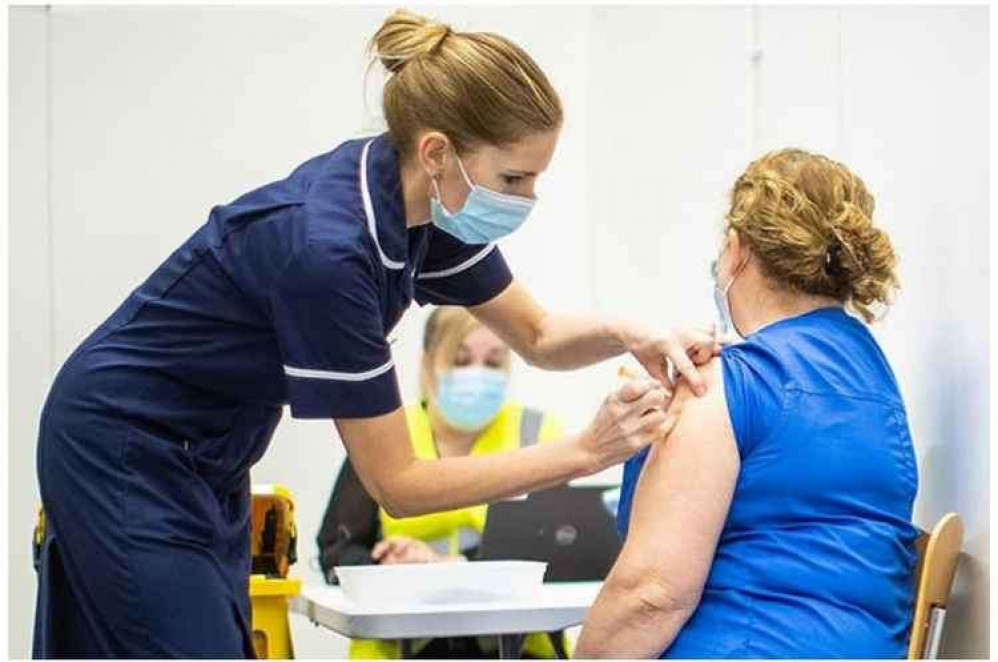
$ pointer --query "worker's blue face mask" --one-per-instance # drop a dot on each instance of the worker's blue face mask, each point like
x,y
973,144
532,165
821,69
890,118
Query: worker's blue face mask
x,y
486,215
725,320
470,397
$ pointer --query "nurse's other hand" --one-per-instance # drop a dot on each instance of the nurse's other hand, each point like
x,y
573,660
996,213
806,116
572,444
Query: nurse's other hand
x,y
401,549
630,418
685,348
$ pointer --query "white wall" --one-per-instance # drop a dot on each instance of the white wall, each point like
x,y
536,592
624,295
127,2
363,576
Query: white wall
x,y
30,290
128,124
917,127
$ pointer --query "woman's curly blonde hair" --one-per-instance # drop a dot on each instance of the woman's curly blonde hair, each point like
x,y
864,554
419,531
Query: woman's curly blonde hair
x,y
807,219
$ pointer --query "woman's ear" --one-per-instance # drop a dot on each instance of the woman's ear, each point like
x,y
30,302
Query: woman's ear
x,y
734,243
738,252
431,153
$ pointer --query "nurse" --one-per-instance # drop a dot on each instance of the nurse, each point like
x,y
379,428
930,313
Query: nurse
x,y
286,296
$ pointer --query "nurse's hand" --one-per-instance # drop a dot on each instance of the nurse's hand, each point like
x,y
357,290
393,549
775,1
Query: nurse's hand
x,y
684,348
400,549
630,418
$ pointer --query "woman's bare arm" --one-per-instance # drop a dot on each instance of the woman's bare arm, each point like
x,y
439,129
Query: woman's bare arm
x,y
679,509
557,341
382,454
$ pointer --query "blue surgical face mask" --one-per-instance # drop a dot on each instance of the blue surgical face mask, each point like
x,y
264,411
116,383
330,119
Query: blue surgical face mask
x,y
469,398
726,321
486,215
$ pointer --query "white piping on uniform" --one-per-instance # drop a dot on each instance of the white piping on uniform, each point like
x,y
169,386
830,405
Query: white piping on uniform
x,y
338,376
467,264
372,226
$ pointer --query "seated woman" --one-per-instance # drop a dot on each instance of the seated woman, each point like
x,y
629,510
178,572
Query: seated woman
x,y
775,519
463,411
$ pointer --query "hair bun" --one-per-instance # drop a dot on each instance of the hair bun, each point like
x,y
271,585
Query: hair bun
x,y
475,88
833,260
405,36
853,230
809,221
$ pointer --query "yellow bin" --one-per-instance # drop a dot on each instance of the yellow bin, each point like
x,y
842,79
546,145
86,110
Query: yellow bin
x,y
273,547
271,629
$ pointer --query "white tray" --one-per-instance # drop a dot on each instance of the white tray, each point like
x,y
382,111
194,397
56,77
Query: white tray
x,y
441,583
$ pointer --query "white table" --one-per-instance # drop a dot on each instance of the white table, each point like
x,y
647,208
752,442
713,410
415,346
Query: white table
x,y
554,607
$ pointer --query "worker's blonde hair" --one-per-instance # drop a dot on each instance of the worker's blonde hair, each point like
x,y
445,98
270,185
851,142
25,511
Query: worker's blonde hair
x,y
445,330
475,87
808,221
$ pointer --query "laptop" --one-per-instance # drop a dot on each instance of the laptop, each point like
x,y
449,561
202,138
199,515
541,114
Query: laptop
x,y
571,528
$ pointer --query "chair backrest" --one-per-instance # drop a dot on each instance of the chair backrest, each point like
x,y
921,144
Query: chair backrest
x,y
937,557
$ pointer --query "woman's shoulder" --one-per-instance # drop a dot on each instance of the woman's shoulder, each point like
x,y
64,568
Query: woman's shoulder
x,y
786,351
827,350
754,380
755,358
341,160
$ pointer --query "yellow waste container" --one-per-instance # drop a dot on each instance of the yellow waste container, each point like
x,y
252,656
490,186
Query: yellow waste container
x,y
271,628
273,548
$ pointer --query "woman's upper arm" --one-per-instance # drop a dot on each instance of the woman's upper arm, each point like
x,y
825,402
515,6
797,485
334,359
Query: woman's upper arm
x,y
683,494
326,308
515,316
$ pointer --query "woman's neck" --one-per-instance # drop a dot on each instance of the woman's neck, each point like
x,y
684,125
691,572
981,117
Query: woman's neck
x,y
415,195
764,304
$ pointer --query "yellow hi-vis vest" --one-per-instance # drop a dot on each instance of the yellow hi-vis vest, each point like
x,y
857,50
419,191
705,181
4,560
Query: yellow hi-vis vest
x,y
456,530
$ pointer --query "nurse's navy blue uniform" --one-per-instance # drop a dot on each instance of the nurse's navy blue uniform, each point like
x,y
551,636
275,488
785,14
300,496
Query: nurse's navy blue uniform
x,y
285,296
816,558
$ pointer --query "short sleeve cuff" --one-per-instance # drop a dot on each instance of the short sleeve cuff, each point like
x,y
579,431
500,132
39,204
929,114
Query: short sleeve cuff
x,y
324,394
481,278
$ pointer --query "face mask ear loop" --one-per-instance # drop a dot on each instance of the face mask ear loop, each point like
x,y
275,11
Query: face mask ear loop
x,y
727,288
727,299
464,173
737,273
440,201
